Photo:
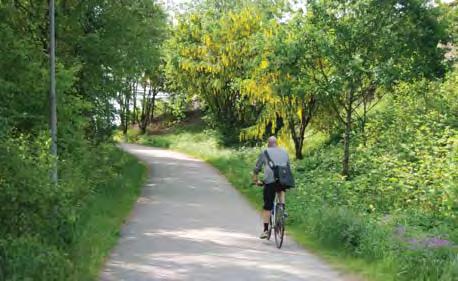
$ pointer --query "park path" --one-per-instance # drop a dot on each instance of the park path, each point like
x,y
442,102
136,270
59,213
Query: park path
x,y
190,224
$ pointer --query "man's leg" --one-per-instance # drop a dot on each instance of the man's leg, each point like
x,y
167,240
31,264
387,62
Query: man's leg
x,y
266,218
281,197
282,200
268,194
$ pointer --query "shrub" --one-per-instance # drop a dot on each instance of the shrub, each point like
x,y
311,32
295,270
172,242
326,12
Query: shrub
x,y
27,258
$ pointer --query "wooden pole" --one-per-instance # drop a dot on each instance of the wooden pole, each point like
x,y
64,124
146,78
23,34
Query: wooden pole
x,y
52,90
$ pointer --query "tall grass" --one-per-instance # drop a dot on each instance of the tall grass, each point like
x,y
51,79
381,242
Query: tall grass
x,y
98,229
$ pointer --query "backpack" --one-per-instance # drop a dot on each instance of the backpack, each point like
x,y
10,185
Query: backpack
x,y
282,174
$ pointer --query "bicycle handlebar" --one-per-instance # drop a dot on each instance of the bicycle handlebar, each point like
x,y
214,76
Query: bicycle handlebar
x,y
258,183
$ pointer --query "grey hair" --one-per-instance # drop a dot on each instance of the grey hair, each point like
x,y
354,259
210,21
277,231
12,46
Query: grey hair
x,y
272,141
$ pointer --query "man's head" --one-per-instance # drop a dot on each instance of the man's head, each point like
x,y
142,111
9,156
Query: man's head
x,y
272,142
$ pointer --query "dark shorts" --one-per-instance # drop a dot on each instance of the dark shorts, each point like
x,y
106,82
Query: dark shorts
x,y
269,194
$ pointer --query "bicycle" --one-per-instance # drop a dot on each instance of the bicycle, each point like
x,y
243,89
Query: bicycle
x,y
276,222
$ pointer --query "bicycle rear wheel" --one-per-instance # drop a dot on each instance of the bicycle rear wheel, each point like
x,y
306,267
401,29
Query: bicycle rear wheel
x,y
279,226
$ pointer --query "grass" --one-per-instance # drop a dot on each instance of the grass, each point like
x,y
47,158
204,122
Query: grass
x,y
236,165
100,223
342,261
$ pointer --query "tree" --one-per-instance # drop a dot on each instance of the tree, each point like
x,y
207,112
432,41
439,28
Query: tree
x,y
372,45
152,82
286,81
209,55
120,41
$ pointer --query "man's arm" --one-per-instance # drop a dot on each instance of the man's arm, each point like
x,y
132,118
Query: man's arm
x,y
287,161
258,168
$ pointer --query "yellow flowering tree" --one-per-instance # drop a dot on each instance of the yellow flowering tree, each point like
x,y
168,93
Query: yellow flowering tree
x,y
209,54
286,81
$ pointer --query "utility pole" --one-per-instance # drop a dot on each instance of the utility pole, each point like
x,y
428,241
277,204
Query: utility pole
x,y
52,90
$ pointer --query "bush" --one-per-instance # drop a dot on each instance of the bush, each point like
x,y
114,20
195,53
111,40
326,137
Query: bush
x,y
27,258
39,221
28,199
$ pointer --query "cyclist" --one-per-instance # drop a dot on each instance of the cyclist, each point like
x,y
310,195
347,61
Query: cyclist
x,y
280,157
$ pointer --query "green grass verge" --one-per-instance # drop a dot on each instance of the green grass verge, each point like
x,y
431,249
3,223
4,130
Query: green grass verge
x,y
100,223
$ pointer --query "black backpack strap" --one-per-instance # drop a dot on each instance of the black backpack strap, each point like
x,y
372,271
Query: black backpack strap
x,y
269,160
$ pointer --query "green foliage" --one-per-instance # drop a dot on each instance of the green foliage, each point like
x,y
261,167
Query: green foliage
x,y
398,170
101,47
419,160
27,195
450,17
268,70
368,46
28,258
209,54
19,75
39,220
285,82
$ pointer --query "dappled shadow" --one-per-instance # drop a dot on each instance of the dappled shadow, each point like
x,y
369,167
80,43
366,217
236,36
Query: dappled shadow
x,y
210,253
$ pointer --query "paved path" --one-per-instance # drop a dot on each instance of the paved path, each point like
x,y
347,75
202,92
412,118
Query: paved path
x,y
190,224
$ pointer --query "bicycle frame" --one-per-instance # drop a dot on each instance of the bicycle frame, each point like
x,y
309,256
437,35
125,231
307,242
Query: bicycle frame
x,y
277,227
274,209
272,216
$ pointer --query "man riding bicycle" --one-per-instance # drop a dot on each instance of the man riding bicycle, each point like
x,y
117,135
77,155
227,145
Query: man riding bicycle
x,y
279,157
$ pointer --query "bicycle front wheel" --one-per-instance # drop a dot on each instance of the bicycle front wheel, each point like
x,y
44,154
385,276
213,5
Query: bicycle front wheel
x,y
279,226
269,231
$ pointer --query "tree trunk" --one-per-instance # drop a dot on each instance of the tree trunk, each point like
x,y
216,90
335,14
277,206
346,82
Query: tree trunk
x,y
368,97
144,113
307,110
278,125
126,113
135,113
298,143
364,121
296,139
152,105
347,136
121,109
